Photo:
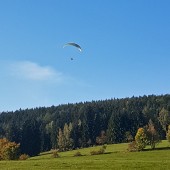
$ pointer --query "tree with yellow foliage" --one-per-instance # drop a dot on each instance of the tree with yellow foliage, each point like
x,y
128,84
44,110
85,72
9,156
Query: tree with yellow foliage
x,y
141,139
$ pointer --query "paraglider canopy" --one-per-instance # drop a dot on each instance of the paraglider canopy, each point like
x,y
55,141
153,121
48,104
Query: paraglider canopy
x,y
73,44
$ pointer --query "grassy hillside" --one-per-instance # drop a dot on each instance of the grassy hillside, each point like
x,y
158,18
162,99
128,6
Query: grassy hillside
x,y
116,157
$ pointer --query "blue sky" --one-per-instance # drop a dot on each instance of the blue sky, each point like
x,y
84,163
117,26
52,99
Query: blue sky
x,y
126,51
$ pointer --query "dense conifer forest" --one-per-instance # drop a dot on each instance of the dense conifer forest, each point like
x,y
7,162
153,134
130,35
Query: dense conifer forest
x,y
84,124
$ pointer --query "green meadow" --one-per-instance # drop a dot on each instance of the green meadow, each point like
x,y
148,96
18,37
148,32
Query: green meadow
x,y
115,157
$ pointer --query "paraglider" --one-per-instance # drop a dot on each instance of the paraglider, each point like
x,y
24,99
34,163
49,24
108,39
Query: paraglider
x,y
74,45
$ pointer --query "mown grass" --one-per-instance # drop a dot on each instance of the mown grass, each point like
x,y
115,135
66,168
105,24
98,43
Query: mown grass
x,y
116,157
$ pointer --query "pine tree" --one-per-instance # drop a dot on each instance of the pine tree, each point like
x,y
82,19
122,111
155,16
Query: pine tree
x,y
115,130
30,143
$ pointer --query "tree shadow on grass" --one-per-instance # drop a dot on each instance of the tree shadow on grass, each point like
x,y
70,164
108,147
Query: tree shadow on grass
x,y
157,149
108,152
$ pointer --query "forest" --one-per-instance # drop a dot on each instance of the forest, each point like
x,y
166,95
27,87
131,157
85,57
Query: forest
x,y
78,125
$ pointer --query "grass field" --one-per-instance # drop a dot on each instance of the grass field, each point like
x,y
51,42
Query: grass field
x,y
116,157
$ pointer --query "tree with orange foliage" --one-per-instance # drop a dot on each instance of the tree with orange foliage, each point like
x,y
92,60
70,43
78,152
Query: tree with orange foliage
x,y
8,150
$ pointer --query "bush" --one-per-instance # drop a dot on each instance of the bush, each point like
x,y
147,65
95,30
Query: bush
x,y
104,147
55,154
78,154
100,151
132,147
23,157
94,152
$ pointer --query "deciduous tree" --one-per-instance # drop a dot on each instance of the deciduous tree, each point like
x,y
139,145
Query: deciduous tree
x,y
152,135
9,150
168,134
141,139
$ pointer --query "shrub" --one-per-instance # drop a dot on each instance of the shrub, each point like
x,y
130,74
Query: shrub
x,y
94,152
55,154
132,147
104,147
23,157
78,154
100,151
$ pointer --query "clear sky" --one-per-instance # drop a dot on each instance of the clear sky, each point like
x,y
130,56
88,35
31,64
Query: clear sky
x,y
126,51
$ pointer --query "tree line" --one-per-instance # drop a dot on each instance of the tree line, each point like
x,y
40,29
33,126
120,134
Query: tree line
x,y
84,124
